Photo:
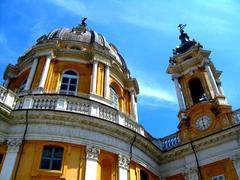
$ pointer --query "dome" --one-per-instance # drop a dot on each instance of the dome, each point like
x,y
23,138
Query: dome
x,y
76,34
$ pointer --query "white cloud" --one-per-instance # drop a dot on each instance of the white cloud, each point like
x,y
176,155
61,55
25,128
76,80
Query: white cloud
x,y
153,15
157,93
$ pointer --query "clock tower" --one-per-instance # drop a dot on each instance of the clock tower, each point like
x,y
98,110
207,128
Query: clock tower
x,y
203,106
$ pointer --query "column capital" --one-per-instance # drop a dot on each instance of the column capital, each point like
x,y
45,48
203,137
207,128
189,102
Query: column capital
x,y
92,152
49,55
13,144
175,77
35,57
123,161
132,91
206,62
94,61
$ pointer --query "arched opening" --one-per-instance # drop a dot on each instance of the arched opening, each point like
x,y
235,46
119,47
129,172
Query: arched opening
x,y
197,91
114,97
22,87
69,83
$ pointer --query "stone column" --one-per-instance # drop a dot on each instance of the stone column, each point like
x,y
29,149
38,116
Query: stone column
x,y
31,74
219,85
236,162
45,72
123,167
10,159
92,153
212,80
133,104
136,112
94,77
179,94
106,82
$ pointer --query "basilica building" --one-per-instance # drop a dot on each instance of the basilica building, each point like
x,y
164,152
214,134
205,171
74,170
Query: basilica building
x,y
68,111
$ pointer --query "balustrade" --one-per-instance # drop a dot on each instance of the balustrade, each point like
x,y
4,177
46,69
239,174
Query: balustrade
x,y
170,141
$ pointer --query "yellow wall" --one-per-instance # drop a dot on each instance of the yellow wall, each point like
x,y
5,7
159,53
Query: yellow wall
x,y
38,72
135,172
100,79
15,83
224,167
73,162
107,166
58,67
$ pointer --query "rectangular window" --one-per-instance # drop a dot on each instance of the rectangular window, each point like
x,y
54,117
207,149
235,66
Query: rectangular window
x,y
51,158
219,177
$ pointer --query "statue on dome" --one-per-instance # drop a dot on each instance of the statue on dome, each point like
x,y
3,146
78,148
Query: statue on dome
x,y
80,28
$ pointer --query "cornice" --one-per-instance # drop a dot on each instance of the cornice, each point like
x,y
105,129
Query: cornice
x,y
202,143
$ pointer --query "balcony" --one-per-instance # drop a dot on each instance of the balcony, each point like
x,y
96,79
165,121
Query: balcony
x,y
86,105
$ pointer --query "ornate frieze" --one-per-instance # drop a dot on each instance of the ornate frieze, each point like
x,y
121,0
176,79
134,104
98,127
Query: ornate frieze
x,y
123,161
92,152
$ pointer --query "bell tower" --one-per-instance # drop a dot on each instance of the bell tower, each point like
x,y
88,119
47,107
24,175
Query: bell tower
x,y
203,106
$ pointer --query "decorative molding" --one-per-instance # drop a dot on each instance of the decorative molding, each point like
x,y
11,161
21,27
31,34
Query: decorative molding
x,y
13,144
123,161
92,152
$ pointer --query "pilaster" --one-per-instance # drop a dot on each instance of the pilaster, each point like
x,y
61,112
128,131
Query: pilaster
x,y
92,154
10,159
123,167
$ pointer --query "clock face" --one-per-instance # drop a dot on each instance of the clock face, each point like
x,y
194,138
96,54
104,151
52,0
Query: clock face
x,y
203,122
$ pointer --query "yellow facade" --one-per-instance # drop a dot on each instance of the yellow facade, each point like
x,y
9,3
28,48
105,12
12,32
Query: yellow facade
x,y
224,167
100,79
17,82
38,72
73,162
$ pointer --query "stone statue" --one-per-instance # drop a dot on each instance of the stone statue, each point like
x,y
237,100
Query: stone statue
x,y
80,28
183,36
84,21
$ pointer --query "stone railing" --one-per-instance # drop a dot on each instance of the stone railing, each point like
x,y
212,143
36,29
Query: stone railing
x,y
7,97
75,104
236,116
169,142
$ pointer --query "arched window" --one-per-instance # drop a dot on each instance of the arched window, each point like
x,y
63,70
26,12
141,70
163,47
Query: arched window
x,y
69,83
197,91
21,88
51,158
114,97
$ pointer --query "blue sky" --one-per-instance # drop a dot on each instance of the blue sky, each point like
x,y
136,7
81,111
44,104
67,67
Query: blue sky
x,y
145,32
